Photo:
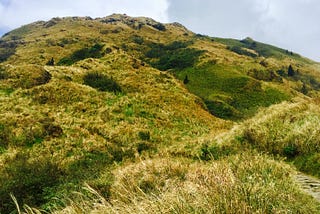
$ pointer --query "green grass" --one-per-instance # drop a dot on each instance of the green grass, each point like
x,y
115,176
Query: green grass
x,y
261,49
228,93
175,55
93,52
286,129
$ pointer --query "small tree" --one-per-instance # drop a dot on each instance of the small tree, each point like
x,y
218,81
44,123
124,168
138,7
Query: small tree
x,y
186,80
50,62
290,71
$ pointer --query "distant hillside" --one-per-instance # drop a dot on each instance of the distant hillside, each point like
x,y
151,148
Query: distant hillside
x,y
144,114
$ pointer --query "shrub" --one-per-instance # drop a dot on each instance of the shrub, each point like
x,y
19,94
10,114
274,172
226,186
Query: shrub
x,y
159,26
101,82
137,39
29,181
144,135
290,151
93,52
145,146
175,55
7,49
178,59
241,51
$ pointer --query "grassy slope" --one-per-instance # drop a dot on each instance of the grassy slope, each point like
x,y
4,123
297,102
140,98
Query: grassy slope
x,y
288,129
152,137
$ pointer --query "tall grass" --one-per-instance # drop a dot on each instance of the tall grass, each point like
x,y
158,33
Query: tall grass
x,y
246,183
286,129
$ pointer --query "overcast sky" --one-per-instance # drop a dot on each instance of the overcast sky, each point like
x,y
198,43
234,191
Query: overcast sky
x,y
290,24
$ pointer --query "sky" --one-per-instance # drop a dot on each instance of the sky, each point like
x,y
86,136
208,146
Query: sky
x,y
289,24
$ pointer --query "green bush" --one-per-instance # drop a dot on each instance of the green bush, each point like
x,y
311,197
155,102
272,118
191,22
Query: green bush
x,y
159,26
7,49
29,181
137,39
175,55
93,52
290,151
241,51
101,82
144,135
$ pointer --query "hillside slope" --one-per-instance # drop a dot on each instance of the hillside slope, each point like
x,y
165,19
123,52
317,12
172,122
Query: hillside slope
x,y
141,112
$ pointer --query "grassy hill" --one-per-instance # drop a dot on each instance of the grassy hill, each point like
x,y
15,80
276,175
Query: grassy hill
x,y
129,115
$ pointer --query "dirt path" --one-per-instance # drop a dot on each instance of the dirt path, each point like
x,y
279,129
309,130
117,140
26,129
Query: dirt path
x,y
309,184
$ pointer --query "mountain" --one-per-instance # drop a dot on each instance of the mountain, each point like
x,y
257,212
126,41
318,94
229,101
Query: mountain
x,y
151,117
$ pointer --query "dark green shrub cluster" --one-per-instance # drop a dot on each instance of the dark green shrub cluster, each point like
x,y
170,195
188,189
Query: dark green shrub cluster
x,y
29,181
137,39
241,51
93,52
7,49
159,26
144,135
101,82
290,151
175,55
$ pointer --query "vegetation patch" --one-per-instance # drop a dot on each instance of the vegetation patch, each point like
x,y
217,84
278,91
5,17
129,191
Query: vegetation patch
x,y
93,52
28,180
175,55
27,76
227,93
241,51
286,129
7,49
101,82
262,49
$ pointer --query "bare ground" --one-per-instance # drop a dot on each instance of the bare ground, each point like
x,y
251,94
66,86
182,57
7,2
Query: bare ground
x,y
309,184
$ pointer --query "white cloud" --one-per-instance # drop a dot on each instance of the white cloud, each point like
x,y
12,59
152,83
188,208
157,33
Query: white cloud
x,y
290,24
18,12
